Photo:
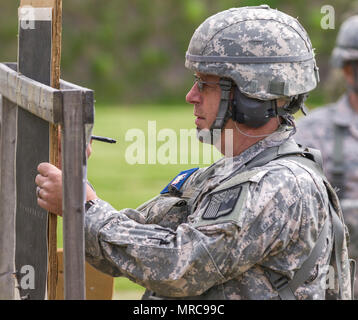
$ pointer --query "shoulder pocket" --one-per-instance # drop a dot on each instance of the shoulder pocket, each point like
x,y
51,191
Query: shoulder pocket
x,y
222,203
224,206
226,202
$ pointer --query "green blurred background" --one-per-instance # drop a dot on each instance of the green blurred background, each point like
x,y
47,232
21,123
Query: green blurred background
x,y
132,54
133,51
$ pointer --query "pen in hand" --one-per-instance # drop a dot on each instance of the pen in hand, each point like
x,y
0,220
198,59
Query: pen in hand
x,y
103,139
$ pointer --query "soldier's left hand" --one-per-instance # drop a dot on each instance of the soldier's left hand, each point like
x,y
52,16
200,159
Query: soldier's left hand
x,y
49,188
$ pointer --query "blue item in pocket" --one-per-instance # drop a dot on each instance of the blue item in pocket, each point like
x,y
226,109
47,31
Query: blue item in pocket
x,y
179,180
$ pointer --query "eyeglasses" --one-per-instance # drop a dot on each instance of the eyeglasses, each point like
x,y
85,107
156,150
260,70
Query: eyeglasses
x,y
201,83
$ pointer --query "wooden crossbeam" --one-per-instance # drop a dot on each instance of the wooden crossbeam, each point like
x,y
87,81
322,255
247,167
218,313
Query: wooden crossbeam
x,y
41,100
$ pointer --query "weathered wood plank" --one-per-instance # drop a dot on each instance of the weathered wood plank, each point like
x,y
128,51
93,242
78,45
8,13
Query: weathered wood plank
x,y
99,286
39,99
34,61
31,220
7,199
74,177
35,48
56,11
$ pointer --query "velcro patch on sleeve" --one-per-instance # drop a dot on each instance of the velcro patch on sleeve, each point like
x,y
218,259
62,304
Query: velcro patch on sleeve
x,y
179,180
222,203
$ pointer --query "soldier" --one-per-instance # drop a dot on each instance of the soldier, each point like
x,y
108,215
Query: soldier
x,y
334,130
256,224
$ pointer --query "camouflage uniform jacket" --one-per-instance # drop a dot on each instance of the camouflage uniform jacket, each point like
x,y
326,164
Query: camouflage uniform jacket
x,y
168,247
317,131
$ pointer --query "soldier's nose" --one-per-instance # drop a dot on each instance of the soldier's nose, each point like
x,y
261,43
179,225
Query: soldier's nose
x,y
193,96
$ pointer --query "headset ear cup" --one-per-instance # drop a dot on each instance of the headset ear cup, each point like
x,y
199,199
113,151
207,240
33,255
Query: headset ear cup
x,y
236,115
252,112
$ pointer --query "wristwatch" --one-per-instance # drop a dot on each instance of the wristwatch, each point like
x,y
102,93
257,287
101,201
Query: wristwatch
x,y
90,203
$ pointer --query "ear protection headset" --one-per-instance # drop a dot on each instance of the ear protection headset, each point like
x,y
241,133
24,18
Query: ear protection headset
x,y
252,112
255,113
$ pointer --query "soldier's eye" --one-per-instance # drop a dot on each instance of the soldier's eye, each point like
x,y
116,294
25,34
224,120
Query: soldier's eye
x,y
201,83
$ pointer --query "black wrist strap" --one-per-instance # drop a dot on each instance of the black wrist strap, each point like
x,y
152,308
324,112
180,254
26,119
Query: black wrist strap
x,y
89,204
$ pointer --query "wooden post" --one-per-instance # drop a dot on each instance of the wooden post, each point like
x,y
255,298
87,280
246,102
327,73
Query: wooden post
x,y
73,154
7,199
54,149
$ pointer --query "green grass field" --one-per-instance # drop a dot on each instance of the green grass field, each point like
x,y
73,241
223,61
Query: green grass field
x,y
125,185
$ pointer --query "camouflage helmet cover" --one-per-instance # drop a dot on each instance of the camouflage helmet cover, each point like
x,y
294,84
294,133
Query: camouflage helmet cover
x,y
266,52
347,43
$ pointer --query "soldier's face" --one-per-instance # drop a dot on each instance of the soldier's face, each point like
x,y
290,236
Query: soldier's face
x,y
206,98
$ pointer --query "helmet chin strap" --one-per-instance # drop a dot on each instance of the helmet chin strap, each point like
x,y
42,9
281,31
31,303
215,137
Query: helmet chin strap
x,y
213,134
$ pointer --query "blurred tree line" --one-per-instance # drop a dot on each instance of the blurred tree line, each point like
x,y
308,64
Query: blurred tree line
x,y
134,51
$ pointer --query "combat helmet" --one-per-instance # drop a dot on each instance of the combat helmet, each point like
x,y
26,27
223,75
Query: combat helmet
x,y
265,53
346,49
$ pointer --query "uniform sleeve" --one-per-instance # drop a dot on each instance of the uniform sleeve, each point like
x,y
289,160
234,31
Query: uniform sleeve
x,y
155,211
190,260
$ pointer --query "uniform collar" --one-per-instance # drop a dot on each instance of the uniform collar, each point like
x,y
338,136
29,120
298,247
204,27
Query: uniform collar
x,y
229,165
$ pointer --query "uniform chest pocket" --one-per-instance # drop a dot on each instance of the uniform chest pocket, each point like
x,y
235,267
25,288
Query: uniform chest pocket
x,y
167,211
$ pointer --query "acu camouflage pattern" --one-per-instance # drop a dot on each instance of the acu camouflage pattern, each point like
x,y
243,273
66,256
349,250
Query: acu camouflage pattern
x,y
317,131
256,32
166,246
347,43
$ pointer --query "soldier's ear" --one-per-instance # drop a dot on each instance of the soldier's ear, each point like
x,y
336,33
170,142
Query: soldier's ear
x,y
348,73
